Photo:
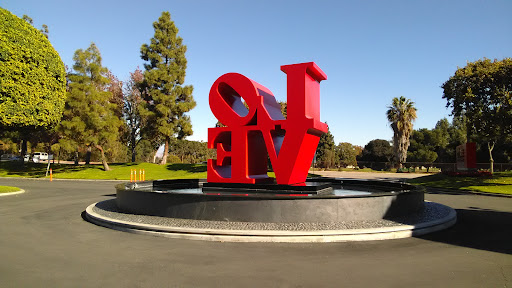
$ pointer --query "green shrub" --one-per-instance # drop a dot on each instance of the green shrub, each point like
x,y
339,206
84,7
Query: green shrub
x,y
32,75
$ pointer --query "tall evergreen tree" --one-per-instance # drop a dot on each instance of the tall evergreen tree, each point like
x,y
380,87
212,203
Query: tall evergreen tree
x,y
401,114
167,98
325,152
89,116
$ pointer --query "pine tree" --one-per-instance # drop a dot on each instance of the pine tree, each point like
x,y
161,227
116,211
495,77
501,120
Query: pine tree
x,y
325,152
167,99
89,115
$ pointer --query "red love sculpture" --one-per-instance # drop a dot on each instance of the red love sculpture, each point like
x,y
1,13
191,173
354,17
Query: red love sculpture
x,y
252,134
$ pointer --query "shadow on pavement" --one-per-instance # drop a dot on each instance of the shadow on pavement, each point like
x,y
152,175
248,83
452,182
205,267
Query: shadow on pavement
x,y
193,168
478,228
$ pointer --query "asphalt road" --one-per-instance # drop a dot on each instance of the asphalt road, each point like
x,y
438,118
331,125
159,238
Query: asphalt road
x,y
44,242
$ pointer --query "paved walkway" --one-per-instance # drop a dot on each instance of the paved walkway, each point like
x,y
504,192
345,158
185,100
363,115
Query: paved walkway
x,y
44,242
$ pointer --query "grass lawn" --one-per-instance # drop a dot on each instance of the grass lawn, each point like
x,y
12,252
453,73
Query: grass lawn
x,y
118,171
7,189
500,182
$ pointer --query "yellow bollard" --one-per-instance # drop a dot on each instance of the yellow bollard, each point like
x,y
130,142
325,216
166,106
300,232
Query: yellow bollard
x,y
140,174
131,175
51,175
143,175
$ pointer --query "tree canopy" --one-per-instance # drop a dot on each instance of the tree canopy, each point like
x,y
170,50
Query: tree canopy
x,y
377,150
423,144
481,91
167,98
32,76
346,154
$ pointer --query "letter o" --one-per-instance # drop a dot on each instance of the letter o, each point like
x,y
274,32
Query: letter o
x,y
226,103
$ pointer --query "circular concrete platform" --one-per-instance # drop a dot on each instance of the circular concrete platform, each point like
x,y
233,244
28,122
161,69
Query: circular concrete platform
x,y
433,217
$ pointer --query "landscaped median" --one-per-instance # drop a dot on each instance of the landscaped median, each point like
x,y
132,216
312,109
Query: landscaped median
x,y
499,183
8,190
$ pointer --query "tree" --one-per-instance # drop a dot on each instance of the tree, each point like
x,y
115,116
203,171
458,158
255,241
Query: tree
x,y
167,98
89,117
447,136
132,110
28,19
423,143
346,154
32,77
377,150
423,155
325,152
118,149
44,28
401,114
185,151
481,92
284,111
284,108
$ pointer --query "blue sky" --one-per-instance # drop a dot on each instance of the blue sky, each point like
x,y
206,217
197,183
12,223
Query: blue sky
x,y
371,51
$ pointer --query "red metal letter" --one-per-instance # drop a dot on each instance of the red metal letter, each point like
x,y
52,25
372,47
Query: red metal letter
x,y
242,146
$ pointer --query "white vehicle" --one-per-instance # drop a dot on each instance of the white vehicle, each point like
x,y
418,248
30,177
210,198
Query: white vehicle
x,y
38,156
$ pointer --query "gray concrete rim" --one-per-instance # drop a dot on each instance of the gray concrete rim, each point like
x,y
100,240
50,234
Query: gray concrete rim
x,y
384,233
12,193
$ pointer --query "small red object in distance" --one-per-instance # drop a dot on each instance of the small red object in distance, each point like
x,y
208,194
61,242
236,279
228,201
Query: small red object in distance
x,y
251,134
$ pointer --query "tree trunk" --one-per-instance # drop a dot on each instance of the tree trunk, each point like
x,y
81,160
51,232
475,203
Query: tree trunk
x,y
103,159
166,152
88,155
491,160
23,148
76,156
133,146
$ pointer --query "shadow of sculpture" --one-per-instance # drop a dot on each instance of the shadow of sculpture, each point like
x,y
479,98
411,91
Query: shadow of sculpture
x,y
478,228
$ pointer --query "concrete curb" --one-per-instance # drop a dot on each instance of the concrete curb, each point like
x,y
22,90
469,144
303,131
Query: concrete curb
x,y
12,193
383,233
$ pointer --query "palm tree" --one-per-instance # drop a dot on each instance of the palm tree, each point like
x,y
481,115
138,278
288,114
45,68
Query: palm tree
x,y
401,114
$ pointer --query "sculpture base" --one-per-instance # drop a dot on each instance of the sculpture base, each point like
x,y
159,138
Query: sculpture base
x,y
354,210
306,188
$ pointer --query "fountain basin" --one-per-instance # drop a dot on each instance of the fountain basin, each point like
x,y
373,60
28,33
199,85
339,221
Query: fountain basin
x,y
348,200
